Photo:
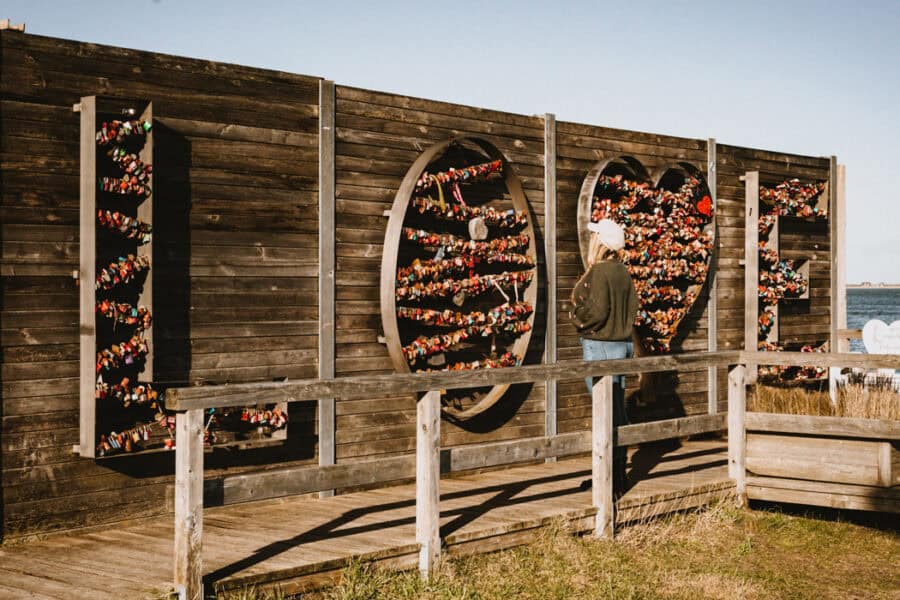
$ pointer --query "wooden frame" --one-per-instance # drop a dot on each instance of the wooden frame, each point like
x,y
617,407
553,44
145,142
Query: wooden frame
x,y
392,247
550,204
712,311
327,265
836,266
752,213
88,109
87,273
751,268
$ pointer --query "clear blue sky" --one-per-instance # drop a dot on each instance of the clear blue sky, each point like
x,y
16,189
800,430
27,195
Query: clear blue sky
x,y
815,78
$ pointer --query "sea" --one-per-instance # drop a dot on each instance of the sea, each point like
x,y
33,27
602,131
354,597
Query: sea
x,y
864,304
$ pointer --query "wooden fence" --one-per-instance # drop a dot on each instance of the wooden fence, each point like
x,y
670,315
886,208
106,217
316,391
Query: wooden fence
x,y
430,461
269,267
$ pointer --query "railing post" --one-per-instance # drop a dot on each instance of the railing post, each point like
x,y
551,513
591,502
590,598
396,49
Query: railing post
x,y
737,431
428,476
189,505
602,457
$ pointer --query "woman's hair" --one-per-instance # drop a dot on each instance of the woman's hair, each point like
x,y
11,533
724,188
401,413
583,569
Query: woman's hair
x,y
598,251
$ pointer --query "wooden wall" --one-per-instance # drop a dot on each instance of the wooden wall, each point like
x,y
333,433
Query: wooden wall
x,y
235,270
236,265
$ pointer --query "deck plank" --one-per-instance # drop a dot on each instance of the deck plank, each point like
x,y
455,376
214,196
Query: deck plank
x,y
302,542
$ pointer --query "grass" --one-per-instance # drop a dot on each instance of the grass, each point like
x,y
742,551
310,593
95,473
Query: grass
x,y
721,552
876,399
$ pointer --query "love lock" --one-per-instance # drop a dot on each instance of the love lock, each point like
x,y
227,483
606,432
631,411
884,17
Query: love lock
x,y
478,229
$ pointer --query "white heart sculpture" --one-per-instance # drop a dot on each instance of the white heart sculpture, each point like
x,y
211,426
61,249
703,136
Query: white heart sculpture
x,y
881,338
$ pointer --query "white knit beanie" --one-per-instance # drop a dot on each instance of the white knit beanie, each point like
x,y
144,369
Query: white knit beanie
x,y
611,233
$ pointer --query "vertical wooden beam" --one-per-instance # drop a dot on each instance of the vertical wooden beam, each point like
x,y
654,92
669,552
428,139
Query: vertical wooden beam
x,y
550,344
839,240
737,431
326,271
87,252
189,505
145,214
751,266
428,476
834,222
840,216
712,307
602,457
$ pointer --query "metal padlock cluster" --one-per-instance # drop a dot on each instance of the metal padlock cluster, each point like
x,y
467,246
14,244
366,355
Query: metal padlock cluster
x,y
500,323
507,359
493,217
666,249
122,313
470,286
121,272
455,245
127,394
117,131
131,228
484,170
125,353
791,198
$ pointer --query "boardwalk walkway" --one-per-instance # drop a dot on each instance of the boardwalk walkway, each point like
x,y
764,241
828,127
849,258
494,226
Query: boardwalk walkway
x,y
301,543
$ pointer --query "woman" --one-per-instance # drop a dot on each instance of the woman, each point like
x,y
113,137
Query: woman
x,y
604,306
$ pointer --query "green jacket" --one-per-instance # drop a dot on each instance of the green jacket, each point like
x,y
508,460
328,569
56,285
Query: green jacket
x,y
605,303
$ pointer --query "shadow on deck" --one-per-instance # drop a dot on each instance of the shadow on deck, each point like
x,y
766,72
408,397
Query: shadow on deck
x,y
302,543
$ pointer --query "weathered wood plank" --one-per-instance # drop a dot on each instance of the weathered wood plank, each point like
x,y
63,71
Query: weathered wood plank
x,y
327,257
146,213
232,395
602,457
824,426
835,460
836,263
550,202
428,477
751,267
189,505
641,433
712,329
825,359
304,479
737,431
831,495
87,274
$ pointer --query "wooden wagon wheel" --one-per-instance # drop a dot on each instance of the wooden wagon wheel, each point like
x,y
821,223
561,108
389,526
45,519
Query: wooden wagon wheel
x,y
392,247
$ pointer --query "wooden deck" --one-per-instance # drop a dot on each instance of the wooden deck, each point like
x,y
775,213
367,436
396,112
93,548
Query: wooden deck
x,y
301,543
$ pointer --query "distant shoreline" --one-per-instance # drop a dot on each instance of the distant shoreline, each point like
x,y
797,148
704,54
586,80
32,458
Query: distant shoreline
x,y
880,286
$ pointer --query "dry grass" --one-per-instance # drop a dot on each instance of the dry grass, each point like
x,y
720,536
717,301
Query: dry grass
x,y
876,399
719,553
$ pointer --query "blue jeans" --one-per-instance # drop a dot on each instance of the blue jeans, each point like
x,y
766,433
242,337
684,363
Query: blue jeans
x,y
600,350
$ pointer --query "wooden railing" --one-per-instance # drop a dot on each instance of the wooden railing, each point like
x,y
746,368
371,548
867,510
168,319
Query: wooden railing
x,y
430,460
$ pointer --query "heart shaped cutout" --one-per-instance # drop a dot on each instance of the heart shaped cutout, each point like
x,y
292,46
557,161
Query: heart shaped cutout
x,y
881,338
669,224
